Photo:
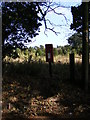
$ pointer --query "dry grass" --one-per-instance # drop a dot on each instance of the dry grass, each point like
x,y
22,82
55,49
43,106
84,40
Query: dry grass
x,y
57,59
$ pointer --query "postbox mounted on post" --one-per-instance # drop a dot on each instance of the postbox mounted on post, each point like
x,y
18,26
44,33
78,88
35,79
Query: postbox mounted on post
x,y
49,52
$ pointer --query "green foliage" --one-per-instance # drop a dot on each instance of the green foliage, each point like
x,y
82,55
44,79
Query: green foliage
x,y
42,47
60,52
43,50
39,52
73,51
26,52
20,22
18,51
31,49
75,42
55,52
77,13
77,18
64,50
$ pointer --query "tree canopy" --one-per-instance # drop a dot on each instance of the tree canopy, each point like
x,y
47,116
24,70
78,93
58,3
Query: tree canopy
x,y
77,13
77,18
20,22
75,42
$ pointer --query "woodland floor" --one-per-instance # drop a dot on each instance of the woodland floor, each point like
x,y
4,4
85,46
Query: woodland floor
x,y
25,97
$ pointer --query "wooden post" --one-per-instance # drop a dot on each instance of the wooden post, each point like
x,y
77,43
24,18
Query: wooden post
x,y
50,69
85,53
72,67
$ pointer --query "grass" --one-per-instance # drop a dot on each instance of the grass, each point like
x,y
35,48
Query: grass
x,y
62,71
24,82
36,69
40,72
29,95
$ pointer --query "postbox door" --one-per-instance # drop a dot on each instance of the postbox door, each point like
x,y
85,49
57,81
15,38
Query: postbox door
x,y
49,53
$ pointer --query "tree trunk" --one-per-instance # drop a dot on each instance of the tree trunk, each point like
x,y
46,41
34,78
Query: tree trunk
x,y
85,55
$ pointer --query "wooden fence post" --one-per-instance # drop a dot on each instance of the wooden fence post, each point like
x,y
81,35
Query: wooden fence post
x,y
50,69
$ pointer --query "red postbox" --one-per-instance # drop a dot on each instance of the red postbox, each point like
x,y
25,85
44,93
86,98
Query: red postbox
x,y
49,52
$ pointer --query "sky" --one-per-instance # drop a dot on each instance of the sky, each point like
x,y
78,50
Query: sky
x,y
64,29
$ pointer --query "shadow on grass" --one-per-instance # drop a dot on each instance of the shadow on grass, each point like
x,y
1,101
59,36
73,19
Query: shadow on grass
x,y
23,81
14,116
35,76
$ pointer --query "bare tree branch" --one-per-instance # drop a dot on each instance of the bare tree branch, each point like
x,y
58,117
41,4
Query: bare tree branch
x,y
52,29
45,8
54,24
53,9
